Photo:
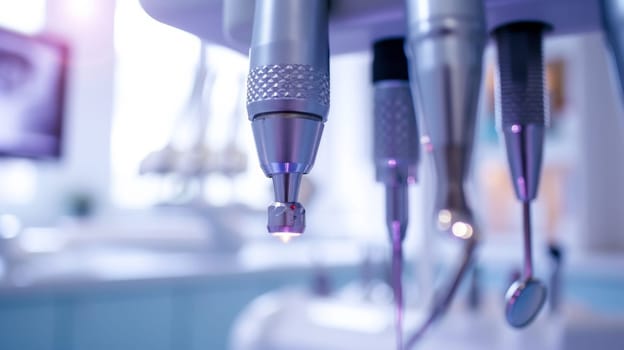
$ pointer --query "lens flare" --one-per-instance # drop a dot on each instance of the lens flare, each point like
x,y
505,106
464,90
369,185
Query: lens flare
x,y
444,219
462,230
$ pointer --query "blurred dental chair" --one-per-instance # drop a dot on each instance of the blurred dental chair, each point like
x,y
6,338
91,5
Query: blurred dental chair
x,y
295,319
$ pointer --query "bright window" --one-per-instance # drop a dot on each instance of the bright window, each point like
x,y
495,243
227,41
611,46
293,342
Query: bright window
x,y
155,69
26,16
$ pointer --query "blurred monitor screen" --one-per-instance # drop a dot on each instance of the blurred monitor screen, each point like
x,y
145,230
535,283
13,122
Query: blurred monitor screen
x,y
32,84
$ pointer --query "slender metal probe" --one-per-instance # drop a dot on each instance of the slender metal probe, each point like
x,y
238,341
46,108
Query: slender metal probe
x,y
397,286
443,301
527,230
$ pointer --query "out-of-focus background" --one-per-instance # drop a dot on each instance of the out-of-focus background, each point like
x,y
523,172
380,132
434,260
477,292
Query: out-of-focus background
x,y
132,204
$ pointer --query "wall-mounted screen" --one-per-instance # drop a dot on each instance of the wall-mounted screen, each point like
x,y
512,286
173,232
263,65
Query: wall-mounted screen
x,y
32,93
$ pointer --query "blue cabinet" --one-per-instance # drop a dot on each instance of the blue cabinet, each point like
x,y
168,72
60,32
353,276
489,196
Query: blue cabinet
x,y
28,324
194,313
122,322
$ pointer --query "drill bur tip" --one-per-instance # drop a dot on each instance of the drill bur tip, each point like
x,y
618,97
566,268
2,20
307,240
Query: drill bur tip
x,y
286,220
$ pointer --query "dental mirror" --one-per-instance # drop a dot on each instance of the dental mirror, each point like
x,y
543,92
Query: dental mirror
x,y
522,110
524,301
525,297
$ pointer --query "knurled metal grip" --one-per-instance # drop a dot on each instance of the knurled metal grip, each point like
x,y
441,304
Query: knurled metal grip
x,y
289,88
396,135
396,146
521,97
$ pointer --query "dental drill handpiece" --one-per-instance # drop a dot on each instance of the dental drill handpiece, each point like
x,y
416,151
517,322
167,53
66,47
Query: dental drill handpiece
x,y
446,40
521,107
396,151
288,99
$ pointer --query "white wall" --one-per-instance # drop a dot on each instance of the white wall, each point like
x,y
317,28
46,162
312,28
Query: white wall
x,y
602,149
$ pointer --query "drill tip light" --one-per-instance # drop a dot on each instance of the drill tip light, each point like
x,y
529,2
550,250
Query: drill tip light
x,y
286,237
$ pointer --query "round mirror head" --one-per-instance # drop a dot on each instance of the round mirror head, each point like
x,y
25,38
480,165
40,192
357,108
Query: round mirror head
x,y
524,302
